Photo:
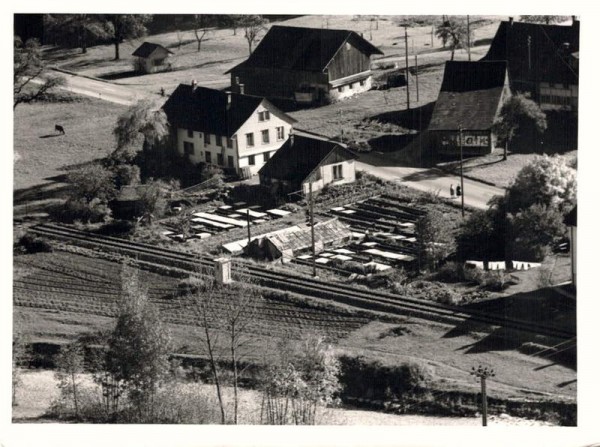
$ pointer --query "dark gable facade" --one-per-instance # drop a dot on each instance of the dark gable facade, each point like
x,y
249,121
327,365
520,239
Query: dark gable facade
x,y
306,64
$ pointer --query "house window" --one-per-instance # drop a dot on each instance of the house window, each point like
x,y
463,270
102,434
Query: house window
x,y
207,140
229,143
251,160
348,46
250,139
267,156
220,159
264,116
351,86
200,135
337,172
341,89
207,157
362,83
265,136
230,161
188,148
190,133
219,140
280,133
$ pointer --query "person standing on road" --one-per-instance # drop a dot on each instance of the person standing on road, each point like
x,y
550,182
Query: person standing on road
x,y
458,191
451,191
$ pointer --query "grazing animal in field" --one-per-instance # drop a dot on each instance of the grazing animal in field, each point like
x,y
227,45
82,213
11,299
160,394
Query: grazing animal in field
x,y
59,128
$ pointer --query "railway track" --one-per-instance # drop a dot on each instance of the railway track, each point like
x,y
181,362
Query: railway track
x,y
371,300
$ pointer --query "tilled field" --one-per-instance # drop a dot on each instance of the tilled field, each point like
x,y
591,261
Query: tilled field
x,y
66,282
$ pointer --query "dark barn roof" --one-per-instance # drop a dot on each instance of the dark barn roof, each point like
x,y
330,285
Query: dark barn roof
x,y
207,110
549,55
147,48
299,156
469,96
303,49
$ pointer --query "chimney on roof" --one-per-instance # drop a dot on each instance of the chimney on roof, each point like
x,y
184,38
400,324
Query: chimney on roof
x,y
241,88
194,84
291,137
228,98
510,20
573,20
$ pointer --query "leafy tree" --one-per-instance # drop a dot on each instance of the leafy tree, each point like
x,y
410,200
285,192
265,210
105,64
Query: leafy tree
x,y
253,26
234,21
69,363
142,120
28,68
547,180
139,346
91,182
75,30
482,236
542,19
121,27
201,24
518,110
454,32
302,380
535,228
153,198
436,240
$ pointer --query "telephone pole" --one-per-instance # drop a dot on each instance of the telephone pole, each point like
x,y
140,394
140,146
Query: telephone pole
x,y
469,38
248,225
462,185
406,58
312,229
417,76
483,373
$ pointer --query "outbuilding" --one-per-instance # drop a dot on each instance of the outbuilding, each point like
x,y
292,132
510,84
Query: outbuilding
x,y
304,160
470,98
151,57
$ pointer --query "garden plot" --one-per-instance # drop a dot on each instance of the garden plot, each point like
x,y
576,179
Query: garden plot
x,y
202,225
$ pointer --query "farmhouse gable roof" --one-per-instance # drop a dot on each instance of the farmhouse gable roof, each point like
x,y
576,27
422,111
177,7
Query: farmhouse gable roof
x,y
147,48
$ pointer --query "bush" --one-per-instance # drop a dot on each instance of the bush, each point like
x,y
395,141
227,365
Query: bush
x,y
450,272
33,244
74,209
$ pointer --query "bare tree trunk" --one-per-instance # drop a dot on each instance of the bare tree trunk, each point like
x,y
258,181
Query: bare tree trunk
x,y
235,374
506,150
117,56
213,367
75,401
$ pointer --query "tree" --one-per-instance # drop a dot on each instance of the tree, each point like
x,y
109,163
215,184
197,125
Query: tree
x,y
518,110
20,356
235,20
201,23
28,69
535,228
542,19
453,32
141,121
434,232
69,363
75,30
120,27
91,182
482,236
546,180
253,25
303,379
139,346
153,198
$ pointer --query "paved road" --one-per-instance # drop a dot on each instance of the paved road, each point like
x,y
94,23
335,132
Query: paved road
x,y
476,194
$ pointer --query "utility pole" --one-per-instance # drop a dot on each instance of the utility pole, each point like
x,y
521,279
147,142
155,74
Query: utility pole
x,y
529,51
432,36
312,229
469,38
462,185
483,373
406,58
248,225
417,76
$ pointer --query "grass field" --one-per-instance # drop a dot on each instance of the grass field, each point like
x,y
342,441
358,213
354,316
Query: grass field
x,y
60,296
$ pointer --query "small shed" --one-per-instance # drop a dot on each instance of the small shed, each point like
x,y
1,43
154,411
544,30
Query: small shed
x,y
128,204
151,57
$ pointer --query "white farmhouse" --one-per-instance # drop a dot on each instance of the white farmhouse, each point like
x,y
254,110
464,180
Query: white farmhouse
x,y
231,130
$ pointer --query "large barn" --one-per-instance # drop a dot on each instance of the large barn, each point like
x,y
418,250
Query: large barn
x,y
471,96
542,60
306,64
304,160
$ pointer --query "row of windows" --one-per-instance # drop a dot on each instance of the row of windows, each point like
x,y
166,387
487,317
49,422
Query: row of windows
x,y
208,137
350,86
188,149
265,136
253,159
556,100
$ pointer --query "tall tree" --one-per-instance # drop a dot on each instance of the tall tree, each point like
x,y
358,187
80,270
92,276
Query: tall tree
x,y
139,346
453,32
75,30
69,364
121,27
519,110
253,26
201,24
436,240
28,84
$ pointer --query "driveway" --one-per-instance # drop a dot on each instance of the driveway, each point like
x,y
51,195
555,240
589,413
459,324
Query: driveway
x,y
477,194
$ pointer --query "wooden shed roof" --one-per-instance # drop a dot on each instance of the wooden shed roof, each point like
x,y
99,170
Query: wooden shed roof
x,y
147,48
301,155
207,110
303,49
470,95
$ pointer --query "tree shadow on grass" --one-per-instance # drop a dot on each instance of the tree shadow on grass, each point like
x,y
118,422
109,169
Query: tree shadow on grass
x,y
415,119
51,135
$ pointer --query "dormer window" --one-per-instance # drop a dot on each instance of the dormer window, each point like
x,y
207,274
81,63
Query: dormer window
x,y
348,46
264,116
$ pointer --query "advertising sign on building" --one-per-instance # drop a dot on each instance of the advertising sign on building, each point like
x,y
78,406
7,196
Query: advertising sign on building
x,y
468,140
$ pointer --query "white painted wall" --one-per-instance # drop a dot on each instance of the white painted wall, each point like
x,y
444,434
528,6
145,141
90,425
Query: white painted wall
x,y
199,139
326,176
336,95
